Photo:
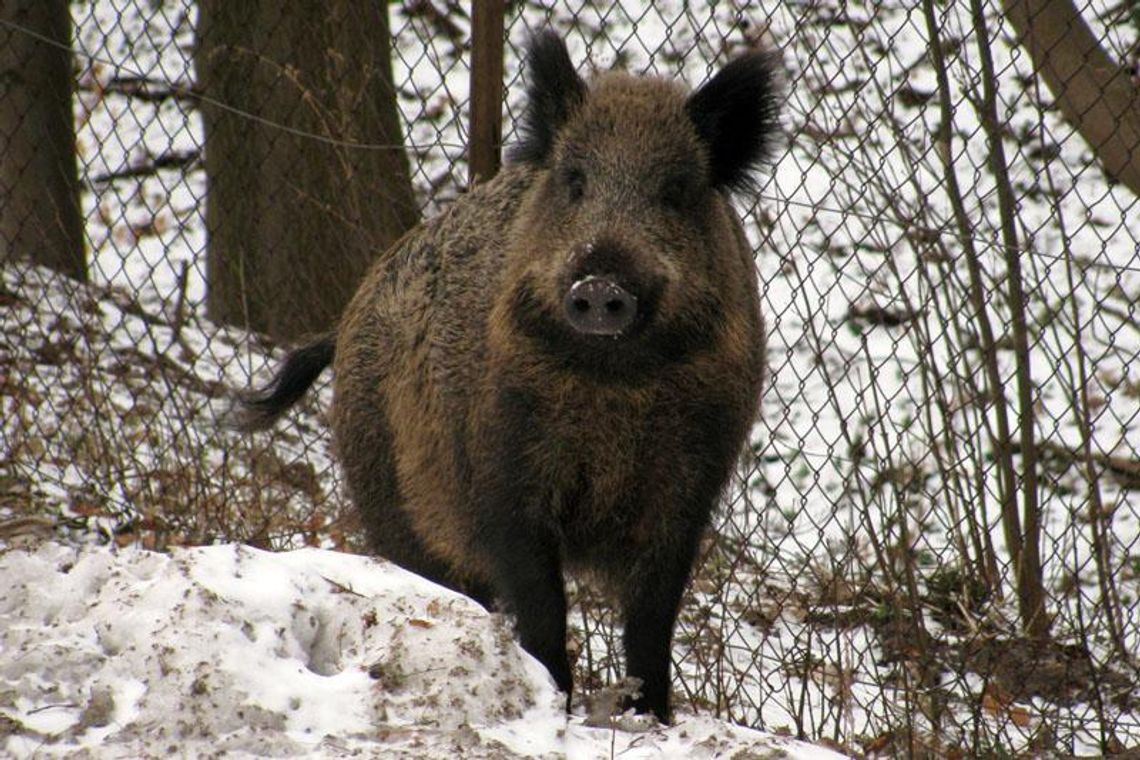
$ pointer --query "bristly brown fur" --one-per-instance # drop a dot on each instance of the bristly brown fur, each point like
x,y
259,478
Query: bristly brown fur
x,y
490,444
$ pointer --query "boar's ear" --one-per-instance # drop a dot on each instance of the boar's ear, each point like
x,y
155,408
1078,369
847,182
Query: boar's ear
x,y
554,93
737,115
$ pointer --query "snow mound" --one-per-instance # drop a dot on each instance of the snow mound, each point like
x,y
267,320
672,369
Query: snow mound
x,y
231,650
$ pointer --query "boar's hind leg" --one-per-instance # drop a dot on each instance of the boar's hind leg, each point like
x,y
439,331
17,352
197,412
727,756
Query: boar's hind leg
x,y
372,482
395,540
391,536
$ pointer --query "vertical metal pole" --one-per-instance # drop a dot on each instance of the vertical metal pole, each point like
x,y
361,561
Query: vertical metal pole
x,y
485,136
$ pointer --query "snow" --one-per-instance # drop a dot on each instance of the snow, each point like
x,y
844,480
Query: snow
x,y
229,649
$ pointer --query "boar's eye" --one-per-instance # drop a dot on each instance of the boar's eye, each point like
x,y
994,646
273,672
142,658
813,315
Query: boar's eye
x,y
574,180
676,192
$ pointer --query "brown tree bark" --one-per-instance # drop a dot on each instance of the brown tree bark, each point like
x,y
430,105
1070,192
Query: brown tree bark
x,y
486,134
1095,94
307,176
39,185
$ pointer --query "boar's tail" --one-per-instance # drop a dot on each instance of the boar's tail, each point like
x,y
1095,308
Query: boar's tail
x,y
258,410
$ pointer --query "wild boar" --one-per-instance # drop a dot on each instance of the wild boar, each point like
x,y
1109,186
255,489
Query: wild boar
x,y
557,373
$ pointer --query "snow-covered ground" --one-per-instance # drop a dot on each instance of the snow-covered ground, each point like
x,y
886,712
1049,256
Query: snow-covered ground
x,y
228,650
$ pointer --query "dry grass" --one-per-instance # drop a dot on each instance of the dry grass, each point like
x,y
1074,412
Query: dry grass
x,y
113,428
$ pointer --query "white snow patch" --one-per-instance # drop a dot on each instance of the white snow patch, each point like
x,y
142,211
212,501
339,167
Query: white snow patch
x,y
232,650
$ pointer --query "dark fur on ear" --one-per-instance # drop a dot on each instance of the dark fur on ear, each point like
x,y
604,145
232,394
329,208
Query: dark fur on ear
x,y
554,92
737,114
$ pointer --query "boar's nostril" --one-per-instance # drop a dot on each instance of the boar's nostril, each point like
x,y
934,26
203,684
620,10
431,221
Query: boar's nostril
x,y
599,306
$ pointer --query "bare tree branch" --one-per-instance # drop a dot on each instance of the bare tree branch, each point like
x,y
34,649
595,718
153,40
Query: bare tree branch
x,y
1096,94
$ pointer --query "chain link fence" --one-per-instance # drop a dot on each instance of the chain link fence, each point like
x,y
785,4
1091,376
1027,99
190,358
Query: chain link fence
x,y
932,547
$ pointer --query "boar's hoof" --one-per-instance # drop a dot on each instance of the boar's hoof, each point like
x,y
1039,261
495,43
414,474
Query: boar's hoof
x,y
599,306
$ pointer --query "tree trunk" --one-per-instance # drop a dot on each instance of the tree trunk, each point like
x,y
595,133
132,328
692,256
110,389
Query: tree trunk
x,y
1094,93
486,134
307,176
39,184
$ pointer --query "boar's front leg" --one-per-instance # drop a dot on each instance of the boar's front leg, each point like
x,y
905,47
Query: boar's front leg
x,y
521,549
527,577
652,599
683,488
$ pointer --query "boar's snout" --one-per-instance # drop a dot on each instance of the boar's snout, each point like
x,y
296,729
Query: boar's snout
x,y
597,305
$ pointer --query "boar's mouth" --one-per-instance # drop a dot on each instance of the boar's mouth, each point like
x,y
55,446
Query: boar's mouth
x,y
646,347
